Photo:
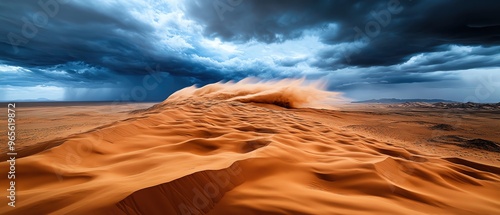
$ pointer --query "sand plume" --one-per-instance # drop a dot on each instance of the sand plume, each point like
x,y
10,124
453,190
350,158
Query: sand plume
x,y
288,93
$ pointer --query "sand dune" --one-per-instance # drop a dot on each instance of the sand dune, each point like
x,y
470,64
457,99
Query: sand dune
x,y
228,149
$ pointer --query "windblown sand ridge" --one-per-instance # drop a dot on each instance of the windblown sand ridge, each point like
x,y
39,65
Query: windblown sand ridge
x,y
207,151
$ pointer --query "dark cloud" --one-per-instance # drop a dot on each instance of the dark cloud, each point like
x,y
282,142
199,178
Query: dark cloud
x,y
108,48
269,21
393,30
107,41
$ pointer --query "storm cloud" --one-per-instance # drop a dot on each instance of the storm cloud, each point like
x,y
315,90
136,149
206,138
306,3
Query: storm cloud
x,y
393,30
118,49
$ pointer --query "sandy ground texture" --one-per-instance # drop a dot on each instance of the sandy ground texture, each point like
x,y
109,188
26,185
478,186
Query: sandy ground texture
x,y
258,149
39,124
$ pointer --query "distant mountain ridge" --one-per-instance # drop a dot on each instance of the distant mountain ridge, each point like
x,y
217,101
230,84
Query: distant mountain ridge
x,y
450,105
394,100
33,100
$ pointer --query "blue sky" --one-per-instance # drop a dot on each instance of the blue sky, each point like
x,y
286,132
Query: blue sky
x,y
113,50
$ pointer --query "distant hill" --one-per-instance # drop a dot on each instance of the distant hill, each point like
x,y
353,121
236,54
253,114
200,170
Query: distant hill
x,y
394,101
33,100
450,105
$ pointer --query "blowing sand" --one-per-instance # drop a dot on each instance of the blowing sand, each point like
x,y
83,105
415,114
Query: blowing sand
x,y
241,148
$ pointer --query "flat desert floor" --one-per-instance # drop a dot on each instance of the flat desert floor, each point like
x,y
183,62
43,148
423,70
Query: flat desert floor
x,y
214,155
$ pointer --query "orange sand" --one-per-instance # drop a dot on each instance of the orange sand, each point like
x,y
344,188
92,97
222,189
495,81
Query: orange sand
x,y
219,150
